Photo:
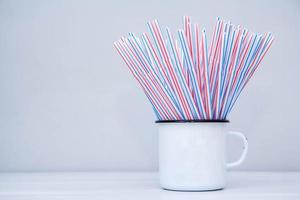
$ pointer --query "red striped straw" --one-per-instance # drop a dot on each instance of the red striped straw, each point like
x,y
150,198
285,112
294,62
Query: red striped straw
x,y
156,91
170,69
206,74
153,100
179,68
183,77
174,79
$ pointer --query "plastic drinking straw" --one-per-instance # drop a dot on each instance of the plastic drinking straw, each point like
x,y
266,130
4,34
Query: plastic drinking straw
x,y
198,69
173,62
244,60
139,57
153,101
206,72
213,41
265,41
187,101
266,45
194,109
248,60
215,56
159,67
143,58
187,91
179,71
191,66
247,43
254,43
161,78
229,50
219,92
245,51
163,64
197,57
257,64
137,46
178,93
149,81
144,81
236,97
161,49
253,51
188,33
189,80
231,45
233,65
262,47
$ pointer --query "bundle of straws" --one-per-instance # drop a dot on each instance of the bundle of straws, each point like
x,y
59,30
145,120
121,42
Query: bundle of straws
x,y
184,77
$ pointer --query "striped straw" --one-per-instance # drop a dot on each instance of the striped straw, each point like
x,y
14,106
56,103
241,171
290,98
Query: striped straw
x,y
183,77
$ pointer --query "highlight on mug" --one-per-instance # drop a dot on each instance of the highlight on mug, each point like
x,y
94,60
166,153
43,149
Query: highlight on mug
x,y
186,77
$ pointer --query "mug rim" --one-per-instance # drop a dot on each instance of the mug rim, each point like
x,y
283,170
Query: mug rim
x,y
193,121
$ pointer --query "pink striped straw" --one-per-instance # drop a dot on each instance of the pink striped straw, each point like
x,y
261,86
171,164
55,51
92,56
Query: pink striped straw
x,y
145,77
248,78
179,66
198,56
206,73
186,79
154,101
174,79
159,86
191,66
232,65
261,58
188,33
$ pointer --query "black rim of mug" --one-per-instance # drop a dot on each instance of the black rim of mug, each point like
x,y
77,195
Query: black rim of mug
x,y
193,121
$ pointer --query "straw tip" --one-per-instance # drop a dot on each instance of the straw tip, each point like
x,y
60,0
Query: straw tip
x,y
147,55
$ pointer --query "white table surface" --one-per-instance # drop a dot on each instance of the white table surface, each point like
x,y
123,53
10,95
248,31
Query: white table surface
x,y
142,186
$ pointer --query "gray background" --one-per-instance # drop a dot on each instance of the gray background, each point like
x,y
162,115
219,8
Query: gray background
x,y
68,101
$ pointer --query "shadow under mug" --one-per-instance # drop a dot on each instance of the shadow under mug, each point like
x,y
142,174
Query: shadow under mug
x,y
192,154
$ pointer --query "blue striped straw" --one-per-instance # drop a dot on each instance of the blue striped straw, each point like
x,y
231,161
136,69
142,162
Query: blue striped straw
x,y
219,103
167,89
225,101
253,50
229,40
194,112
184,79
191,67
243,82
153,101
240,76
207,76
181,77
145,65
146,75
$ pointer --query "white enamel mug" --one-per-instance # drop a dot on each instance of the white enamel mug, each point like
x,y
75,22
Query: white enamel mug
x,y
192,154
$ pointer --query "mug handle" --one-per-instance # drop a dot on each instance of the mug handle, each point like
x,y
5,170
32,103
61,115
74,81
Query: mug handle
x,y
245,149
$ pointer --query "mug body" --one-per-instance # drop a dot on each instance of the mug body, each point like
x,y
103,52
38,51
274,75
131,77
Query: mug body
x,y
192,155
